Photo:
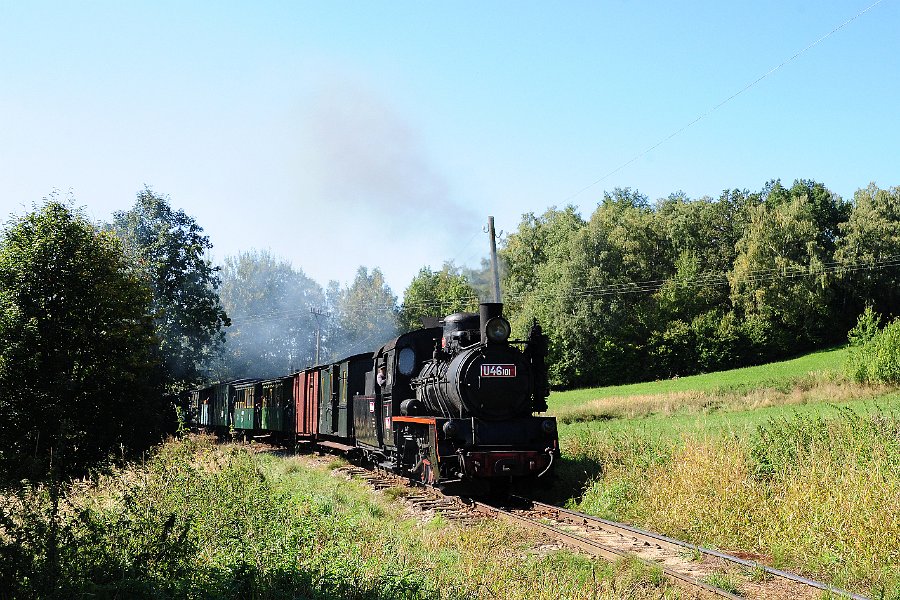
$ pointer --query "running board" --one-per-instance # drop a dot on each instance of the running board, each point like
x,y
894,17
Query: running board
x,y
337,446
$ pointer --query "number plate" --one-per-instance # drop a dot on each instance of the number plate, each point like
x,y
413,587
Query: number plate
x,y
498,370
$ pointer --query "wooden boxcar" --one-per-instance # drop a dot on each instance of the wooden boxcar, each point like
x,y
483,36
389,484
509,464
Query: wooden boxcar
x,y
277,413
192,409
205,406
306,402
222,405
351,373
328,414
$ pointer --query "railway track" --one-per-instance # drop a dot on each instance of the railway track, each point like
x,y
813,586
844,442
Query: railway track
x,y
701,572
704,572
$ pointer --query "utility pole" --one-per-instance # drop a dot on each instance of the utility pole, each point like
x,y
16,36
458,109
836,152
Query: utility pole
x,y
494,268
317,314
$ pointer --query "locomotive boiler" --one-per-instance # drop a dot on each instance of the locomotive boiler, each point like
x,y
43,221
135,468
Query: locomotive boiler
x,y
476,372
454,404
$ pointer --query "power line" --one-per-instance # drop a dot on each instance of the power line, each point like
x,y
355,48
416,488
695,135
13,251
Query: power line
x,y
700,281
725,101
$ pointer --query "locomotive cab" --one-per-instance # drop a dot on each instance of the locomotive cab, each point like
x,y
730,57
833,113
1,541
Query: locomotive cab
x,y
467,414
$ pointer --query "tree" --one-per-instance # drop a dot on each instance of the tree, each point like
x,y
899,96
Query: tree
x,y
271,305
869,250
189,317
601,304
77,365
826,209
364,313
436,294
778,282
537,242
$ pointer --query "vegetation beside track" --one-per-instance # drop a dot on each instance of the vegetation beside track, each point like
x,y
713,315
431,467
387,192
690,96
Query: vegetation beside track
x,y
784,376
790,462
204,521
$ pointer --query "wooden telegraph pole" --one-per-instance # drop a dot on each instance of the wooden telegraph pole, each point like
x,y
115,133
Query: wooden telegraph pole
x,y
495,270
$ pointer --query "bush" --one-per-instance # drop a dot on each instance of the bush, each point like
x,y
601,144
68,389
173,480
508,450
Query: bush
x,y
874,355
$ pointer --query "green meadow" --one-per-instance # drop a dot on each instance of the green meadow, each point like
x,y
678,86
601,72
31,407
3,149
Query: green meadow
x,y
779,374
790,461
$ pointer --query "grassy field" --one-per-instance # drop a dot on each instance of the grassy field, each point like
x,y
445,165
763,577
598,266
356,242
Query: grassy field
x,y
202,521
789,461
780,375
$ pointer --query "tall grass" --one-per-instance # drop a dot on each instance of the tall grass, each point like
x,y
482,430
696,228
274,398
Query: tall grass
x,y
201,521
803,390
816,495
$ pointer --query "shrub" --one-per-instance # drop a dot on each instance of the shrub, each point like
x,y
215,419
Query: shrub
x,y
874,355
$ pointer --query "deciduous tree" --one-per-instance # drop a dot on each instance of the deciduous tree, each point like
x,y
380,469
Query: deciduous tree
x,y
436,294
869,251
77,347
778,282
271,305
364,314
172,252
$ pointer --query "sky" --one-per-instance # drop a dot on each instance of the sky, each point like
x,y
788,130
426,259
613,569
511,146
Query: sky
x,y
338,134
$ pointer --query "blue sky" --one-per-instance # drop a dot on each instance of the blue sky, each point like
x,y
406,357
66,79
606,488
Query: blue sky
x,y
340,134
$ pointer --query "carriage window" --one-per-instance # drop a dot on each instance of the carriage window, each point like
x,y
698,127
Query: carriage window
x,y
406,361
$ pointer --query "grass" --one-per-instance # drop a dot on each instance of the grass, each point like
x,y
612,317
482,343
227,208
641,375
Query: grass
x,y
817,493
786,461
789,461
724,581
781,375
732,422
202,521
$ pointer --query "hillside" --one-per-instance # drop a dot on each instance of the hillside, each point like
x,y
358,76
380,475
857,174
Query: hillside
x,y
787,462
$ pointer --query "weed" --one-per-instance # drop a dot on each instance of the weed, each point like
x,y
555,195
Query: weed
x,y
757,574
392,493
692,554
830,485
724,581
336,463
212,522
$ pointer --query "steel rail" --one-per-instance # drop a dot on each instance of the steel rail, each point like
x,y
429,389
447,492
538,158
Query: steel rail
x,y
597,549
662,540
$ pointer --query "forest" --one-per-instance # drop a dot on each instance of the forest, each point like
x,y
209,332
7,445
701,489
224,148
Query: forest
x,y
641,291
635,291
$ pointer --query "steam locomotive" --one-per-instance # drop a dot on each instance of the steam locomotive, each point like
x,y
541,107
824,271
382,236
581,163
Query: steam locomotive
x,y
451,406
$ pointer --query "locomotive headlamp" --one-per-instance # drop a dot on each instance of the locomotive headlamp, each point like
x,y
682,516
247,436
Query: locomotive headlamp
x,y
498,329
549,426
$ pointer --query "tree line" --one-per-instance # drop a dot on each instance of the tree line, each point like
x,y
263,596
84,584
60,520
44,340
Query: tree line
x,y
642,290
101,324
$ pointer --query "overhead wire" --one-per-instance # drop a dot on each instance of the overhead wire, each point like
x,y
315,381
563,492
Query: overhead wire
x,y
622,287
700,281
724,102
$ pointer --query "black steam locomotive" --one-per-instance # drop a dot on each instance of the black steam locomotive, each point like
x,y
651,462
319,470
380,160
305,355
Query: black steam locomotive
x,y
451,405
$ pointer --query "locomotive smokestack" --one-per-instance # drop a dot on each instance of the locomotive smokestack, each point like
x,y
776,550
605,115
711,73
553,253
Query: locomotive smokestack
x,y
488,311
